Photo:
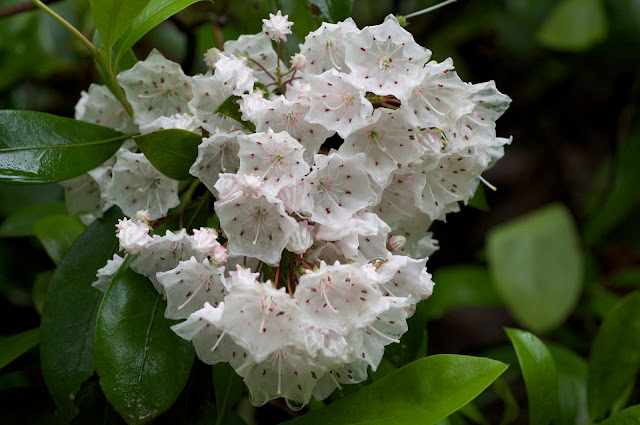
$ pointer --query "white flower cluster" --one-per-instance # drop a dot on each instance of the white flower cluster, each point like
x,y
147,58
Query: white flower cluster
x,y
324,210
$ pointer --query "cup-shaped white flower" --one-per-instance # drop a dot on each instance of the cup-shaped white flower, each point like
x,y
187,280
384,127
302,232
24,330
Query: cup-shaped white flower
x,y
339,187
233,73
385,58
137,185
99,106
190,285
276,158
211,343
156,87
338,103
261,319
389,142
256,226
208,95
324,48
216,154
258,48
402,276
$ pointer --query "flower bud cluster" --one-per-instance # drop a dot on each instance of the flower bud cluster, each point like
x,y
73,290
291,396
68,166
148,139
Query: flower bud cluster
x,y
324,210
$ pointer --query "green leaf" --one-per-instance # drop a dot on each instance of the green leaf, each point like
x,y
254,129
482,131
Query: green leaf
x,y
228,387
41,148
540,376
334,10
615,356
57,233
20,223
479,200
422,392
511,408
69,314
143,365
39,290
628,416
536,266
572,386
461,286
154,13
622,196
231,109
113,17
12,347
574,25
623,278
172,152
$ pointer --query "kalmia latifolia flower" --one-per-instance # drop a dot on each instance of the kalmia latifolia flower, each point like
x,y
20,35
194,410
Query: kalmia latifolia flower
x,y
324,182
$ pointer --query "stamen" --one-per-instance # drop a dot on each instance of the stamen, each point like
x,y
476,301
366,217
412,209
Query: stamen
x,y
489,185
326,298
429,9
279,373
334,379
397,341
190,297
218,342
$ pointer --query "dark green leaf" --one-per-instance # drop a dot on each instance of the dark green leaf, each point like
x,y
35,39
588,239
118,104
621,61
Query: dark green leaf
x,y
172,152
479,200
625,277
423,392
20,223
143,365
621,197
155,12
461,286
628,416
540,376
41,148
615,356
228,386
113,17
12,347
68,318
536,265
511,408
39,290
231,109
574,25
334,10
57,233
572,386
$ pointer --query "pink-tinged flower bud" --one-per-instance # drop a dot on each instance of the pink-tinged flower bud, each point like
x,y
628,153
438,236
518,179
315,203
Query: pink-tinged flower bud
x,y
396,242
277,26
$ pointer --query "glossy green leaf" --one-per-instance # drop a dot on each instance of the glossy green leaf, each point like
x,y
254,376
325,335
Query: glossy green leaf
x,y
622,197
20,223
154,13
461,286
12,347
228,387
57,233
231,109
628,416
68,317
41,148
540,376
172,152
615,356
574,25
572,386
422,392
143,365
536,265
334,10
113,17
